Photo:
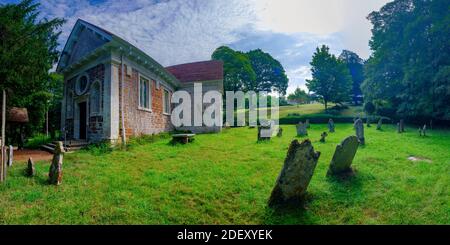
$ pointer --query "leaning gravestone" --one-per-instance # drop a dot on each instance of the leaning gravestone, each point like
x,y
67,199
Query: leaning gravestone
x,y
380,122
331,125
297,171
307,123
301,129
10,155
55,173
343,156
359,128
30,168
323,136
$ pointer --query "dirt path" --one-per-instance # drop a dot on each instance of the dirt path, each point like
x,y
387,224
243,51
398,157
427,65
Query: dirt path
x,y
37,155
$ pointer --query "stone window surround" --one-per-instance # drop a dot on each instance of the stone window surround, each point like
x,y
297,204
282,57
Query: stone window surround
x,y
77,91
164,103
99,112
149,92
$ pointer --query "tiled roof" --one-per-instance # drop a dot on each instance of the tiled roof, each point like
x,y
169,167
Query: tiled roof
x,y
198,71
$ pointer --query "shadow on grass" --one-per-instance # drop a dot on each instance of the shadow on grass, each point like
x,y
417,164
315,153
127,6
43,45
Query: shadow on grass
x,y
347,188
294,212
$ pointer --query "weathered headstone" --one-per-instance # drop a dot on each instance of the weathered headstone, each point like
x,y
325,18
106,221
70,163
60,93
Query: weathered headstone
x,y
264,135
402,126
331,125
31,171
323,136
301,129
424,130
297,171
55,173
280,132
380,122
399,130
343,156
10,155
359,128
307,123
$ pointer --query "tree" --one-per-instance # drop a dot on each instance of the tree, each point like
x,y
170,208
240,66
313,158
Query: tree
x,y
299,96
356,67
331,79
28,51
270,74
409,68
237,69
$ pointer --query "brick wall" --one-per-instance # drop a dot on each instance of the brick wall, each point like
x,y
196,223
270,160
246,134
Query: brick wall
x,y
137,121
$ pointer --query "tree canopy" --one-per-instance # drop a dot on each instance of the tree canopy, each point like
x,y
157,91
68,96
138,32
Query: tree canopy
x,y
331,78
356,67
409,70
28,50
255,70
299,96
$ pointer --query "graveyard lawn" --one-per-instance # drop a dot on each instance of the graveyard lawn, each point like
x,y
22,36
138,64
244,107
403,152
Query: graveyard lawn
x,y
227,178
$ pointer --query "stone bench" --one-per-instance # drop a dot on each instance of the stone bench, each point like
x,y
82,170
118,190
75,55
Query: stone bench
x,y
183,138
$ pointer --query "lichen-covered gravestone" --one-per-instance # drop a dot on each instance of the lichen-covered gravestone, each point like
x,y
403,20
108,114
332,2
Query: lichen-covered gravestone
x,y
331,125
343,157
30,168
280,132
297,171
323,136
307,123
380,122
359,129
10,155
301,129
55,173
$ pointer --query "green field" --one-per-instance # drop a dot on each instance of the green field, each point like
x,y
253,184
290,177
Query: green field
x,y
227,178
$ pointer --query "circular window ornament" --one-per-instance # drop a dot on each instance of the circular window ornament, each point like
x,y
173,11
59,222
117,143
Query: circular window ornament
x,y
81,85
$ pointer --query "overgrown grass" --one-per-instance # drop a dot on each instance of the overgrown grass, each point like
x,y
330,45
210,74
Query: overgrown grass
x,y
227,178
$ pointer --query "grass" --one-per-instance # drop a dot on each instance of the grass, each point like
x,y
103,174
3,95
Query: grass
x,y
227,178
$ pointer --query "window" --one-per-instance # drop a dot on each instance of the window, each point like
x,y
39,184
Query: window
x,y
166,102
81,85
95,98
69,104
144,93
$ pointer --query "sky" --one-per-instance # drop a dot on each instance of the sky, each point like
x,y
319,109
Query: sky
x,y
181,31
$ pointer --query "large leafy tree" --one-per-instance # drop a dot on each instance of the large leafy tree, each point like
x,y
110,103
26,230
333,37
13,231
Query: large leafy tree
x,y
238,71
270,74
356,67
299,96
409,70
28,50
331,78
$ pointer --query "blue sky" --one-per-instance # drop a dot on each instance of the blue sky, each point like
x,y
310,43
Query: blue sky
x,y
180,31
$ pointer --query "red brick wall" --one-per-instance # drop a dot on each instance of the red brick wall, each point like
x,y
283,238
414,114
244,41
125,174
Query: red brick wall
x,y
138,122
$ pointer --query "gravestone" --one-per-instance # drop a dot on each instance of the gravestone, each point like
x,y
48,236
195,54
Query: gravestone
x,y
368,121
380,122
307,123
264,136
323,136
399,130
301,129
343,156
359,128
331,125
297,171
10,155
280,132
424,130
402,126
55,173
31,171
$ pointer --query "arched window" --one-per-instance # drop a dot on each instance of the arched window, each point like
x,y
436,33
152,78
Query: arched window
x,y
95,98
69,104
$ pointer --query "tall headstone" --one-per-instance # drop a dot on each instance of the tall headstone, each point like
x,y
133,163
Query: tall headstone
x,y
31,171
359,129
297,171
10,155
55,173
343,156
301,129
402,126
424,130
399,129
307,123
331,125
380,122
